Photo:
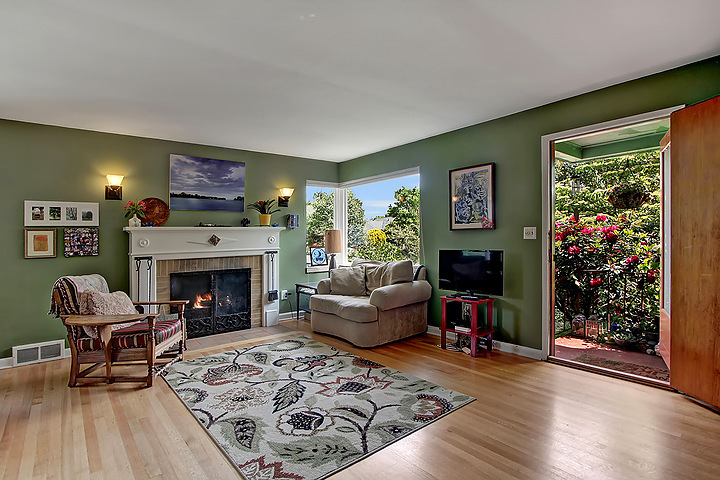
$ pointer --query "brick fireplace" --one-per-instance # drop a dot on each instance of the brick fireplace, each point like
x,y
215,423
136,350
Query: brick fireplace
x,y
157,252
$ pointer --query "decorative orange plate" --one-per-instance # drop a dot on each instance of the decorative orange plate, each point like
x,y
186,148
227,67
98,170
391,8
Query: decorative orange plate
x,y
156,211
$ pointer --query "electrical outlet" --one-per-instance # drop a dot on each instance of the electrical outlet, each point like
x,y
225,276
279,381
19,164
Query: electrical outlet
x,y
283,295
529,233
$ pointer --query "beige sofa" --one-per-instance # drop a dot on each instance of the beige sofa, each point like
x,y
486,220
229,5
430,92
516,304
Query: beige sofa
x,y
372,303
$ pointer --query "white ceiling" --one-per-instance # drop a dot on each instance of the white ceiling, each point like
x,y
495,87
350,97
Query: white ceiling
x,y
326,79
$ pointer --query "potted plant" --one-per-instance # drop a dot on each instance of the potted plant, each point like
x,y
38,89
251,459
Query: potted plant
x,y
134,211
265,209
624,338
628,195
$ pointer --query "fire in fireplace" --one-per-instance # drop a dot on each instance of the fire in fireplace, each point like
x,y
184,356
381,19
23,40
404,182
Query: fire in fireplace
x,y
219,300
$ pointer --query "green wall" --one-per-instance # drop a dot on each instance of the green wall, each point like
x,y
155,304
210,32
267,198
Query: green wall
x,y
52,163
514,144
61,164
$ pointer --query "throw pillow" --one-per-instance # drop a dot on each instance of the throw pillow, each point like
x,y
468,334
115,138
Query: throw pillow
x,y
93,302
347,281
388,274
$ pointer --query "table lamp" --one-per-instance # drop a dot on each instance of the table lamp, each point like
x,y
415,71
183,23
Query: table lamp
x,y
333,245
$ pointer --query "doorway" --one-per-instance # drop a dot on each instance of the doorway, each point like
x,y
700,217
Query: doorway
x,y
602,207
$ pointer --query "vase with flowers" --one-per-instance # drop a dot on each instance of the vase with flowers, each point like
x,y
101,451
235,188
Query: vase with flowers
x,y
265,209
134,211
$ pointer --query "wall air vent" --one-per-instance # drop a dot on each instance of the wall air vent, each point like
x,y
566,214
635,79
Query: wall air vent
x,y
38,352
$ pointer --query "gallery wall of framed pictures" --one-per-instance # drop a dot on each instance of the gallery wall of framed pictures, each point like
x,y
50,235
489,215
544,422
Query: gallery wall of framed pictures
x,y
41,213
80,235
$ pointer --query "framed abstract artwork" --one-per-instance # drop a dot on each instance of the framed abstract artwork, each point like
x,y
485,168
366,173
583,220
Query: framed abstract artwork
x,y
81,242
198,183
472,197
40,243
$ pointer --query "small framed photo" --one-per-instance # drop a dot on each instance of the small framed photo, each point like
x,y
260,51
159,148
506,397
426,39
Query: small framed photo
x,y
37,213
318,256
71,214
472,197
81,242
40,213
40,243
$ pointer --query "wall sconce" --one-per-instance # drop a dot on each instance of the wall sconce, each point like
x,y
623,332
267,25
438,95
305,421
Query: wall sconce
x,y
284,198
113,190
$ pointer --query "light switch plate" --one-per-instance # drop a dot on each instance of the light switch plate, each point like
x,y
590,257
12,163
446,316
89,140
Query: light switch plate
x,y
529,233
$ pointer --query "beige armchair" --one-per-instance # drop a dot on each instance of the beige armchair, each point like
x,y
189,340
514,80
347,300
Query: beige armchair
x,y
372,303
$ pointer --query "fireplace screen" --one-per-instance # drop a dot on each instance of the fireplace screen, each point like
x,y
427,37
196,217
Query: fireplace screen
x,y
219,300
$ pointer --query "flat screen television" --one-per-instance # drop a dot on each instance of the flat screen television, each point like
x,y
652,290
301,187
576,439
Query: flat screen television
x,y
475,272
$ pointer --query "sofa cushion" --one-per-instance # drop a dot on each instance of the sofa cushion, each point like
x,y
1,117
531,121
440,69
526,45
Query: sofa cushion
x,y
387,274
356,308
347,281
94,302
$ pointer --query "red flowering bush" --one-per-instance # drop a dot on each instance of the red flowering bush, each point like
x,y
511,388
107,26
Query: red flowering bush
x,y
607,266
607,256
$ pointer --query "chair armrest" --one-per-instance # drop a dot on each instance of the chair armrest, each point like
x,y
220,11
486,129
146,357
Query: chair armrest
x,y
180,304
400,294
167,302
323,287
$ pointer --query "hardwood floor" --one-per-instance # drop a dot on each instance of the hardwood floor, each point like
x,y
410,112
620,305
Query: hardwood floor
x,y
531,420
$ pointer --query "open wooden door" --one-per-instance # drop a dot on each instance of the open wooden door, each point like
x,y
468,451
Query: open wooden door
x,y
695,251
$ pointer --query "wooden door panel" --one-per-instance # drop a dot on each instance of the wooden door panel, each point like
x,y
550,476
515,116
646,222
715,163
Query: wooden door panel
x,y
695,251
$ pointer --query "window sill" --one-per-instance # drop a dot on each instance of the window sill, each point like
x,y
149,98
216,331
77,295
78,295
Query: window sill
x,y
317,269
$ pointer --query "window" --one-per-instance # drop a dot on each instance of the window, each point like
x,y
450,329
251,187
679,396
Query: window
x,y
384,219
379,217
320,215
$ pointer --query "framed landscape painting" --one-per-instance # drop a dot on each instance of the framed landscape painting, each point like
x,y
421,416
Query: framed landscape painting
x,y
198,183
472,197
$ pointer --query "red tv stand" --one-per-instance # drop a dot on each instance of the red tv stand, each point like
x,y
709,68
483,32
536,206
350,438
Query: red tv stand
x,y
486,332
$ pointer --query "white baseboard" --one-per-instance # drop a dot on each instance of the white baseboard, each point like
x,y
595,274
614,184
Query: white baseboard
x,y
291,315
7,362
497,345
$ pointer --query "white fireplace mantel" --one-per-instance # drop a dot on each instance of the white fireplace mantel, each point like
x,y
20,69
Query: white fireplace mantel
x,y
194,242
150,244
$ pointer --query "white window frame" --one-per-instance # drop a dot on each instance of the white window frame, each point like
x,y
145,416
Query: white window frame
x,y
340,207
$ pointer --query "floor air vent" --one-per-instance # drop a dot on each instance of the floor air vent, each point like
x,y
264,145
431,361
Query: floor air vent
x,y
38,352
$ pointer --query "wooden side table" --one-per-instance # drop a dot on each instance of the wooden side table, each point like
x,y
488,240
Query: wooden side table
x,y
476,331
104,325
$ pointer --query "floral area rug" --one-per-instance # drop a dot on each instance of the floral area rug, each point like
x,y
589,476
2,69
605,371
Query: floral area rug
x,y
299,409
